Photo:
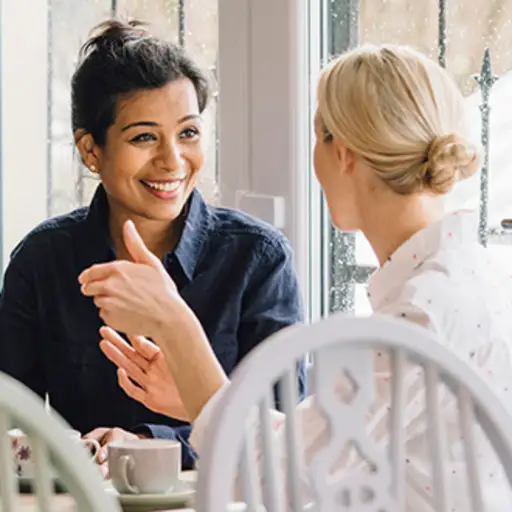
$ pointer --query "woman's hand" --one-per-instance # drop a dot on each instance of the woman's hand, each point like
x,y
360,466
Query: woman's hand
x,y
133,297
140,298
143,362
105,436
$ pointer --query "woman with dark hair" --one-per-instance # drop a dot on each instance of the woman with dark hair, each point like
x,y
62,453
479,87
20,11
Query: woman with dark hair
x,y
391,142
137,105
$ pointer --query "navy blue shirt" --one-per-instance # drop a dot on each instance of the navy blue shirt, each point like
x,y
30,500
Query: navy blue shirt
x,y
235,272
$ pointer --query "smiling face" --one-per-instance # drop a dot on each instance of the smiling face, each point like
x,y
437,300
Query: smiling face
x,y
153,153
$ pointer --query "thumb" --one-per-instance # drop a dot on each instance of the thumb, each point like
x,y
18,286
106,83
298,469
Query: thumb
x,y
136,247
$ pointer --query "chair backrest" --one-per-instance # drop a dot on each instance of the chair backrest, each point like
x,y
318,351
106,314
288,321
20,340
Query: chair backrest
x,y
346,346
53,452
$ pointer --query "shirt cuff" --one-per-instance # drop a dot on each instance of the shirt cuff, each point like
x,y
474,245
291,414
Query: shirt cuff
x,y
204,418
156,431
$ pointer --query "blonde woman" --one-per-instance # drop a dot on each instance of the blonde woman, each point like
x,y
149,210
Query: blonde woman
x,y
390,143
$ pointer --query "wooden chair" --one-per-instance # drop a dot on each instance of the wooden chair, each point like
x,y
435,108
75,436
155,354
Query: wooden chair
x,y
52,450
346,346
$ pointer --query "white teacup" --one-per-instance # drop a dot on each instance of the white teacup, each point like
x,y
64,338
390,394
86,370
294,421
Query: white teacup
x,y
144,466
23,463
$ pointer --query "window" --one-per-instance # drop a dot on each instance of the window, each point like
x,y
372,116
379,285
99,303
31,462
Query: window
x,y
470,40
261,141
41,172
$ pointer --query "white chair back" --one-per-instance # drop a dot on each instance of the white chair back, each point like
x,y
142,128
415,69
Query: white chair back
x,y
52,451
346,346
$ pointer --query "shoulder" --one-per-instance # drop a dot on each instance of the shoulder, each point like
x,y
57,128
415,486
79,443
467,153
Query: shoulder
x,y
463,275
53,232
456,294
248,232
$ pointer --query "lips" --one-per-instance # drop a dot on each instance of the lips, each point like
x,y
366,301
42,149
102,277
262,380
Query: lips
x,y
166,190
164,186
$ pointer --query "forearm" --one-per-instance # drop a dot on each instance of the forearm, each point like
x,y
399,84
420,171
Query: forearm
x,y
191,360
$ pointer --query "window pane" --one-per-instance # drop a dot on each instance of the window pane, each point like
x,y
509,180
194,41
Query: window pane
x,y
383,22
473,28
341,27
69,24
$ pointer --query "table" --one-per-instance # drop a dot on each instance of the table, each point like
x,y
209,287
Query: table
x,y
65,503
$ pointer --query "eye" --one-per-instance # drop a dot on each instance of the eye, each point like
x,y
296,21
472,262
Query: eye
x,y
189,133
144,137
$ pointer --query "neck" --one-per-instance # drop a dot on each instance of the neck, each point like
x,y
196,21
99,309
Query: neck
x,y
159,237
392,220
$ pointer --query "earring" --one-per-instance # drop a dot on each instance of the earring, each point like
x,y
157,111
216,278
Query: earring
x,y
92,168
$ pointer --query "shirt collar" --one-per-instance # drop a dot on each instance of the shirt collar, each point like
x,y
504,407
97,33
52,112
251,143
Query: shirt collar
x,y
195,231
99,243
455,229
188,250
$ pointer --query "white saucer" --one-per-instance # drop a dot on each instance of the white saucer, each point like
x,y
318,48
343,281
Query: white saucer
x,y
179,497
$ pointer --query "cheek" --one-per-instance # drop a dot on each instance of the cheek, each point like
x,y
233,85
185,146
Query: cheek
x,y
123,163
317,162
325,170
195,156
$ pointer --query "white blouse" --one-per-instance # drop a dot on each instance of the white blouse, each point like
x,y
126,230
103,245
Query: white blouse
x,y
441,279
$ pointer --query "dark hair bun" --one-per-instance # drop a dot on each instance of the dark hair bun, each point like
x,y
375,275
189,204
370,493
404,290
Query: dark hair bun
x,y
112,34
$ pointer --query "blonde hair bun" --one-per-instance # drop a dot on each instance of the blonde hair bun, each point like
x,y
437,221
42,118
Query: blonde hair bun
x,y
449,159
402,115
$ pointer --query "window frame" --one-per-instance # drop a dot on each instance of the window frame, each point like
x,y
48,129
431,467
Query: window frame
x,y
23,122
265,115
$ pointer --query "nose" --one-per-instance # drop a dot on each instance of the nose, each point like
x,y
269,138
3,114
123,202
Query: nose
x,y
170,157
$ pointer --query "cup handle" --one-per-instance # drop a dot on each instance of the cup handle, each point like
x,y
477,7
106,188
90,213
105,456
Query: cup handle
x,y
125,462
92,443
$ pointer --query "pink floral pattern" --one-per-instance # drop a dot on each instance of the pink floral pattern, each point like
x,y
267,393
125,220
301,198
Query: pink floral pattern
x,y
24,453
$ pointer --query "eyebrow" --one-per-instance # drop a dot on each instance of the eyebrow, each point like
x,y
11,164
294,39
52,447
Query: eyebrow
x,y
152,123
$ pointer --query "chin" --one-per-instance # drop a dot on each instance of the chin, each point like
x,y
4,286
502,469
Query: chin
x,y
166,209
167,215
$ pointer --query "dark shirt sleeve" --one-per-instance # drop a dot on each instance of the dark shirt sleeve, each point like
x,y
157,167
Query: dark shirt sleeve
x,y
20,336
272,301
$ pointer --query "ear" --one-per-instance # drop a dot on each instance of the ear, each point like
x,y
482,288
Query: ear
x,y
345,157
88,149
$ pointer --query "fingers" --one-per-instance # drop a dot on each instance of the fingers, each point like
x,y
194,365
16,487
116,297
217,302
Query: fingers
x,y
98,434
106,305
105,436
97,272
130,388
136,356
144,347
95,288
111,335
101,435
121,361
104,471
112,434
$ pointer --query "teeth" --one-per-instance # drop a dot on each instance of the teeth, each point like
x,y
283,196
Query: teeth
x,y
166,187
